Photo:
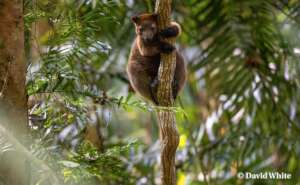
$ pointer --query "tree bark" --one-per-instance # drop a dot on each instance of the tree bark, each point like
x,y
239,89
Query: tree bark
x,y
93,131
13,100
166,118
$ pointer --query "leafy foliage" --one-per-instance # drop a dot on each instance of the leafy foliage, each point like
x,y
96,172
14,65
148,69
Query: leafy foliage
x,y
239,111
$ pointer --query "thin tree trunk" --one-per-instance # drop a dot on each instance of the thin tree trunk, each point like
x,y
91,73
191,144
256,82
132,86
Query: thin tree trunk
x,y
93,131
166,119
13,101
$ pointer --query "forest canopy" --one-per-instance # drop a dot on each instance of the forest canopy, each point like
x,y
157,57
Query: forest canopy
x,y
76,120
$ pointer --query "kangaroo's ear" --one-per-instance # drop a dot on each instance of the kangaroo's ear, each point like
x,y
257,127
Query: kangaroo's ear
x,y
154,16
135,19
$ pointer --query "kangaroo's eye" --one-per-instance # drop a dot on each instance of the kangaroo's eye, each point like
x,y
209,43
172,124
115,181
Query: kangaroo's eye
x,y
141,29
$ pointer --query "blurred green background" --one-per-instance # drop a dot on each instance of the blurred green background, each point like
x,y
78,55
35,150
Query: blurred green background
x,y
239,111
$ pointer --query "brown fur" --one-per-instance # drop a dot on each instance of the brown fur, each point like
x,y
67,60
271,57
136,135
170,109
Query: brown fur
x,y
144,59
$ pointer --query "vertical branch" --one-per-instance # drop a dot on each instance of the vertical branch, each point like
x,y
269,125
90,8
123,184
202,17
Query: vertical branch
x,y
166,119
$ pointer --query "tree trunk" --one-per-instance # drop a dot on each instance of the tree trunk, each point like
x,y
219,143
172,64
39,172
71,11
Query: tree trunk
x,y
13,101
166,119
13,98
93,131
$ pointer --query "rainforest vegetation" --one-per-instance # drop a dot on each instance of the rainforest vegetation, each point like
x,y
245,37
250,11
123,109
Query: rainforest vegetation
x,y
69,116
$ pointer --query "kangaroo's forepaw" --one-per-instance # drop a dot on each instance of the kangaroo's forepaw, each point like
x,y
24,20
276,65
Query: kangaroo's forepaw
x,y
166,47
169,32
